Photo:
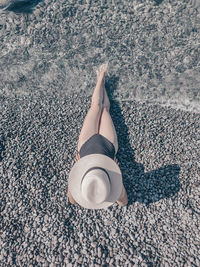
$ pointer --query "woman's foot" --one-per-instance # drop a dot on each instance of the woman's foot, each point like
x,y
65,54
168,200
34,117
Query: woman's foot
x,y
101,75
101,79
98,95
102,69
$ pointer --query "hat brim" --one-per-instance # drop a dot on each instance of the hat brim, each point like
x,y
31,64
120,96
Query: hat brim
x,y
80,168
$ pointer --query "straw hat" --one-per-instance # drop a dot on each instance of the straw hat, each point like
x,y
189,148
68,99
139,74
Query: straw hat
x,y
95,181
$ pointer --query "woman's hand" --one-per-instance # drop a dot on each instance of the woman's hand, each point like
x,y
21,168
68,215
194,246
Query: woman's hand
x,y
77,156
123,199
71,199
116,160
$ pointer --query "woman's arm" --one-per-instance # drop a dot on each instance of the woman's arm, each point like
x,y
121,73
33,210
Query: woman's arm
x,y
77,157
123,199
71,199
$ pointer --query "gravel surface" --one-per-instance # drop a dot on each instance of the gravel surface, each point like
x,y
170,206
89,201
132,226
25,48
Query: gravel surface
x,y
48,58
159,159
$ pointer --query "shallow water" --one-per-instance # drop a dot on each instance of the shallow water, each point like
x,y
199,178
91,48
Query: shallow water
x,y
152,48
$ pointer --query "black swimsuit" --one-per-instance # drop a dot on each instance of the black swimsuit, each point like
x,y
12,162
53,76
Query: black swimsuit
x,y
97,144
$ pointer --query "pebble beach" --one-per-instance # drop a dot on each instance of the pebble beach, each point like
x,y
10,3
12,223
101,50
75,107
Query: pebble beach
x,y
48,62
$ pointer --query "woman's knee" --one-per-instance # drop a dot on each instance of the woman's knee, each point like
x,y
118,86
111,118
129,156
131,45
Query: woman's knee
x,y
96,106
106,107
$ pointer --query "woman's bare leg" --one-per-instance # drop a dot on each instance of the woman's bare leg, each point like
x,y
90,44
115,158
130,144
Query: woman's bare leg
x,y
107,129
92,119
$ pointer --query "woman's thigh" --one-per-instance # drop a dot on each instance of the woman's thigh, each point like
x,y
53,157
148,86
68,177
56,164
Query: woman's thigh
x,y
90,124
107,128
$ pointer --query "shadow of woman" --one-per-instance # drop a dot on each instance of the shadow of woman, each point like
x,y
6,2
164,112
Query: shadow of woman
x,y
2,147
143,187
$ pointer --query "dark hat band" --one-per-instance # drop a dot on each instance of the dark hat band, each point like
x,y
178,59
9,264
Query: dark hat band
x,y
95,168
